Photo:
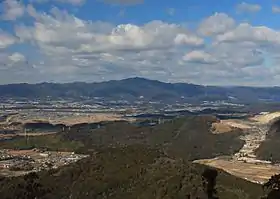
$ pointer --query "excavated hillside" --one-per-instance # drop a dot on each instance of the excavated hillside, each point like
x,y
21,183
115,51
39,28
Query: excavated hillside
x,y
269,149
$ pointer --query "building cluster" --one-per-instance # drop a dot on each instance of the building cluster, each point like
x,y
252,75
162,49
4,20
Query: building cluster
x,y
34,160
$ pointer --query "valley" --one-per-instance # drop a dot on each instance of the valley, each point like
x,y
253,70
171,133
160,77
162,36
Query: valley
x,y
51,143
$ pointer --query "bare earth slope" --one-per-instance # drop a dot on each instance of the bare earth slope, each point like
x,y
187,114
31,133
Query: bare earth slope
x,y
246,163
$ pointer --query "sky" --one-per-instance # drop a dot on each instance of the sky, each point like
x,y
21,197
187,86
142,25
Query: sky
x,y
209,42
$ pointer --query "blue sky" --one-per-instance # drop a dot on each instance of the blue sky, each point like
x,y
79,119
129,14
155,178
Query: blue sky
x,y
199,41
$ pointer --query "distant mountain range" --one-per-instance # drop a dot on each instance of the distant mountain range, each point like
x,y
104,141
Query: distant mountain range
x,y
132,89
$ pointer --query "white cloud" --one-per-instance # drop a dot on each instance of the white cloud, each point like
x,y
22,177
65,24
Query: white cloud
x,y
154,35
86,49
246,7
10,63
66,48
199,57
13,9
275,9
237,55
61,31
191,40
245,32
216,24
6,39
17,57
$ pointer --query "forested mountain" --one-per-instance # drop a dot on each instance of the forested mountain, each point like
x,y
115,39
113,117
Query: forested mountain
x,y
133,88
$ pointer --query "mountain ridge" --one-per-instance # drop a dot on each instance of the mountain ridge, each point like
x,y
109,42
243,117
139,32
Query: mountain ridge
x,y
132,89
139,79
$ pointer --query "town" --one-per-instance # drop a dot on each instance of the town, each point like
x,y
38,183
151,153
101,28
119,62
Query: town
x,y
21,162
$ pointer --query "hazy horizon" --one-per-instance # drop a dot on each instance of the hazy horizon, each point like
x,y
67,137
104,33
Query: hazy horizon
x,y
93,82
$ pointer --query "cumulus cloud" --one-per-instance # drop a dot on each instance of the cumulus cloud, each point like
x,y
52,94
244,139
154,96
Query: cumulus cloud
x,y
216,24
17,57
10,62
63,32
275,9
245,32
66,48
199,57
13,9
88,49
249,8
6,39
237,55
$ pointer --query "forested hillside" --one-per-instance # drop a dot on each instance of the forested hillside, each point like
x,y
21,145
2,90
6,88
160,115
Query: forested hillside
x,y
187,137
126,172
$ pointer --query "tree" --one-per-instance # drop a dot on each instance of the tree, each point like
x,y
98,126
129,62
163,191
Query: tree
x,y
273,187
31,188
209,182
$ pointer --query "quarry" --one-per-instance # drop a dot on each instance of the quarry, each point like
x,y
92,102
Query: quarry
x,y
244,163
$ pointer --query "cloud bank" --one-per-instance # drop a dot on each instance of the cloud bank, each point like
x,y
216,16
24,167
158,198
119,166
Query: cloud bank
x,y
61,47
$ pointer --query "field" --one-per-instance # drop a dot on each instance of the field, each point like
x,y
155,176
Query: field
x,y
257,173
69,120
43,125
